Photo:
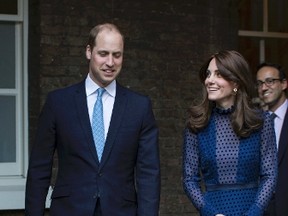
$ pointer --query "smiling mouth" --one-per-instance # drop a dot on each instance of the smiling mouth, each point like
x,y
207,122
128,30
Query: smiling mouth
x,y
212,89
266,94
108,70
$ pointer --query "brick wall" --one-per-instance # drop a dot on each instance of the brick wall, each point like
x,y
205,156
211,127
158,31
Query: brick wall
x,y
166,42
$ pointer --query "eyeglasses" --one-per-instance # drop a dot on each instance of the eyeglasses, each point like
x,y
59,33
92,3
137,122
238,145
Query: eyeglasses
x,y
267,81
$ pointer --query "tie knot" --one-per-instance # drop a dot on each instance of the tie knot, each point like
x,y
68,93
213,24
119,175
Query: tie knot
x,y
273,115
100,92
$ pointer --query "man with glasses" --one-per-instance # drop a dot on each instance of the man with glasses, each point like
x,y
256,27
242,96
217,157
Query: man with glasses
x,y
272,85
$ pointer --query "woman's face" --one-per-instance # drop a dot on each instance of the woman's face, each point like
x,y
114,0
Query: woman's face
x,y
218,89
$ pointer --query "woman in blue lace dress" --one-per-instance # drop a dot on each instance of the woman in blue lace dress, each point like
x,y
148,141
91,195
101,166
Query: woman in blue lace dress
x,y
229,144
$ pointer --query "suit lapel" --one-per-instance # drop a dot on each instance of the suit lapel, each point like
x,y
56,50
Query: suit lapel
x,y
283,141
82,110
116,119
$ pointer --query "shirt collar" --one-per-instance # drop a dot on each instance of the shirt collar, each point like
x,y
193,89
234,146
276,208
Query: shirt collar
x,y
91,87
281,111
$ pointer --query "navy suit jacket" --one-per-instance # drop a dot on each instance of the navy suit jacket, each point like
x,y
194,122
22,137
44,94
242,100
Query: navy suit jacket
x,y
281,195
127,180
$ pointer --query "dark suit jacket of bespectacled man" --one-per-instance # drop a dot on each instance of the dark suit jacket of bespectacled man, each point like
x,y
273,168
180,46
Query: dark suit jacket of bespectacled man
x,y
126,181
273,94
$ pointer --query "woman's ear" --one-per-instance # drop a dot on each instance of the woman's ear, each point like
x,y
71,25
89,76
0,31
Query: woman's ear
x,y
235,88
235,85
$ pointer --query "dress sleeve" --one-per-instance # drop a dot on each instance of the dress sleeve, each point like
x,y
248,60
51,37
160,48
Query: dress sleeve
x,y
268,168
192,176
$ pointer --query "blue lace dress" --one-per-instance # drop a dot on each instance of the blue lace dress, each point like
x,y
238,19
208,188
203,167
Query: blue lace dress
x,y
239,175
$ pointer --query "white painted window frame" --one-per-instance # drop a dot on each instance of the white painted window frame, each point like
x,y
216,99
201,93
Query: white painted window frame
x,y
13,180
265,33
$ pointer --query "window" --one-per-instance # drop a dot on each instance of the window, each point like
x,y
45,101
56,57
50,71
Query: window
x,y
264,31
13,100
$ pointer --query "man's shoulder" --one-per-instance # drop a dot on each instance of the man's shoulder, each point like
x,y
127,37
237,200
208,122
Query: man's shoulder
x,y
80,86
130,92
66,93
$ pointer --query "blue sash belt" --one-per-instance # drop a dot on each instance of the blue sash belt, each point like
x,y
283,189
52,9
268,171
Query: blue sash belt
x,y
231,186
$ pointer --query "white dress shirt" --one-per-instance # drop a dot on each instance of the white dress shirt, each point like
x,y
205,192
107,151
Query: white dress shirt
x,y
278,121
108,100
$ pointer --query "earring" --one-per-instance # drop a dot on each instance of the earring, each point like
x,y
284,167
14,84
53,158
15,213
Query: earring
x,y
235,91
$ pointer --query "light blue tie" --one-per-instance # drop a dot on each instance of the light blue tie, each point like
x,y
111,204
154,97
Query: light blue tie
x,y
98,124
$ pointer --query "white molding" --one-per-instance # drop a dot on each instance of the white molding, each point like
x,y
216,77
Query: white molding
x,y
262,34
12,187
12,193
20,13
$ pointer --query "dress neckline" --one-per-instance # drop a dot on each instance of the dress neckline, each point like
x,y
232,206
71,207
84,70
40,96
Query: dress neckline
x,y
224,111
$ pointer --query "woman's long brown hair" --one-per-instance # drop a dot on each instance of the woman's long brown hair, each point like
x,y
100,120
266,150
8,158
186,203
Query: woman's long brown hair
x,y
246,117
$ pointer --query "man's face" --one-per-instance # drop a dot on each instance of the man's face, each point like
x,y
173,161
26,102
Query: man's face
x,y
271,91
106,57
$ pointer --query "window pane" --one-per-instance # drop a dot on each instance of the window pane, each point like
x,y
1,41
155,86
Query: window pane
x,y
8,7
7,129
278,16
7,55
251,15
249,48
276,51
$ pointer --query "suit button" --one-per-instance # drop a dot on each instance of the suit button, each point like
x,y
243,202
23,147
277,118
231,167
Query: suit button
x,y
100,174
96,195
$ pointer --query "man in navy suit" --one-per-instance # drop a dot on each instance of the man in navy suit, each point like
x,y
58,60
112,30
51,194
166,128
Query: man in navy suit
x,y
272,84
125,181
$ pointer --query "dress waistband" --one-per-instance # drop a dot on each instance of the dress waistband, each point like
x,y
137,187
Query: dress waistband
x,y
231,186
